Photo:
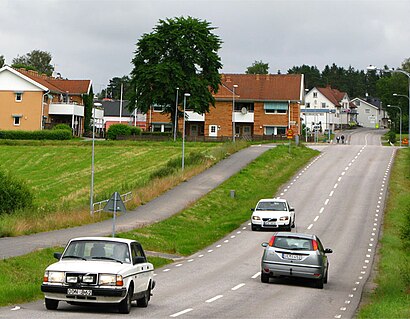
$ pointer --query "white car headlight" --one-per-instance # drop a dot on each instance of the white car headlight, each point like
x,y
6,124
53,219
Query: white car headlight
x,y
54,276
110,280
284,218
256,218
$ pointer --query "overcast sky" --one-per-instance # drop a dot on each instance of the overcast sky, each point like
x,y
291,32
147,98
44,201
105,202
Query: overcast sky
x,y
90,39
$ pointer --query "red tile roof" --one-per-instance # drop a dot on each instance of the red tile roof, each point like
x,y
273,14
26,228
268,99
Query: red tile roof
x,y
333,95
59,85
261,87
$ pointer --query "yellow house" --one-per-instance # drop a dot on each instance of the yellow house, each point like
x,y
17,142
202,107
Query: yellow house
x,y
30,101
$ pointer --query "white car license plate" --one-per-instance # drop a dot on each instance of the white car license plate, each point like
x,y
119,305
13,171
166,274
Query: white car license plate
x,y
270,223
79,292
291,256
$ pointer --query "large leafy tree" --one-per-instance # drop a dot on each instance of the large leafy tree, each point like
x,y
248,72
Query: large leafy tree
x,y
179,53
258,67
37,60
113,89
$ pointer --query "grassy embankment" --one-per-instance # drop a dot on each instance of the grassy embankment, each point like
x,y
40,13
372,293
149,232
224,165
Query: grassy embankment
x,y
59,173
212,217
391,297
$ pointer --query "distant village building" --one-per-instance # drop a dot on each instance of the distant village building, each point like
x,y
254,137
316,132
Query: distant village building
x,y
117,112
328,109
253,105
32,101
370,112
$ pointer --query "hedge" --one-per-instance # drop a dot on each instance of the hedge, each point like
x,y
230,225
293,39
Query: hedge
x,y
36,135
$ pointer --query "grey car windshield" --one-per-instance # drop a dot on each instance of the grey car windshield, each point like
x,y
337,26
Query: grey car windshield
x,y
275,206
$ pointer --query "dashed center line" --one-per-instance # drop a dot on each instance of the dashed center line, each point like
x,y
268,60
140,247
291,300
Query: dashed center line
x,y
238,286
181,312
214,298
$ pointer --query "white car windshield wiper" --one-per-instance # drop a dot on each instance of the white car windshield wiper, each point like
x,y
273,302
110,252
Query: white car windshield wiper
x,y
107,258
72,256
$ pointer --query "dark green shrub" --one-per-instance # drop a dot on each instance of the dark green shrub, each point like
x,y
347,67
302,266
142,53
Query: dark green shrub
x,y
135,130
62,127
36,135
392,137
118,130
14,194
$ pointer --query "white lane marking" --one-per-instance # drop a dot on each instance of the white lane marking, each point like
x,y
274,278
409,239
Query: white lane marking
x,y
15,308
321,210
165,270
190,260
233,236
178,265
256,275
214,298
237,287
316,218
200,256
181,312
335,186
217,246
331,193
210,251
226,241
326,201
343,173
339,179
238,232
310,226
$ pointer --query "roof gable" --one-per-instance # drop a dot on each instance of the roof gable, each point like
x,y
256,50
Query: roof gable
x,y
11,79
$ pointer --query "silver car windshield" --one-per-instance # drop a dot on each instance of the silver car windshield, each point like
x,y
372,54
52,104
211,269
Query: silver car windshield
x,y
98,250
293,243
274,206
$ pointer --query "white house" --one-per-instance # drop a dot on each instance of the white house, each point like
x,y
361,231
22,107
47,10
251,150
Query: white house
x,y
327,109
370,112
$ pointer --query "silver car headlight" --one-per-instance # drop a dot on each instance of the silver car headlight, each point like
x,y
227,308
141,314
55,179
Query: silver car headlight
x,y
256,218
110,280
54,277
284,218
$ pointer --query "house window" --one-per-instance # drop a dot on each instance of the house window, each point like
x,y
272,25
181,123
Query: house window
x,y
323,105
314,94
19,96
308,105
357,102
275,107
367,110
158,108
16,120
274,130
240,105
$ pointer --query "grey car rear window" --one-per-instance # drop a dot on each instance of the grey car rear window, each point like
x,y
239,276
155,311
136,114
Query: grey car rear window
x,y
293,243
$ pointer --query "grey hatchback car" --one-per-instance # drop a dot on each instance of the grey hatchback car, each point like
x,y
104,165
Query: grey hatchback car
x,y
295,255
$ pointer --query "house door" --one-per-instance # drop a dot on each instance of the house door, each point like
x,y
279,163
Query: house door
x,y
247,130
213,130
194,130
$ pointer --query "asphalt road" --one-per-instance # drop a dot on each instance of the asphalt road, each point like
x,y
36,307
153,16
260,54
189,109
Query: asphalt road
x,y
339,196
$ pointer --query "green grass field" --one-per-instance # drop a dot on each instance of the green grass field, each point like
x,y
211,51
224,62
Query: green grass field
x,y
214,216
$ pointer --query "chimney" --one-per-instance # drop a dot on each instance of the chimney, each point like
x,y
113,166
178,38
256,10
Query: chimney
x,y
228,79
257,77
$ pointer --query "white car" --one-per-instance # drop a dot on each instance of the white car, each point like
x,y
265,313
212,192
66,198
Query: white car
x,y
99,270
273,213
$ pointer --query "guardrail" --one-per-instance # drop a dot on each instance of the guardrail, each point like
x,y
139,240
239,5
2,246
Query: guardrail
x,y
125,198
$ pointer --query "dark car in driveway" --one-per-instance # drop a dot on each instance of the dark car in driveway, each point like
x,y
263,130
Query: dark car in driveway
x,y
295,255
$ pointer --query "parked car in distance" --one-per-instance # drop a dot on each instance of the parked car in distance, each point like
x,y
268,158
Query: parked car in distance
x,y
99,270
273,213
295,255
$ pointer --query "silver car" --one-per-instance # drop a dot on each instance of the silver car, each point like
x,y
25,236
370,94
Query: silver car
x,y
295,255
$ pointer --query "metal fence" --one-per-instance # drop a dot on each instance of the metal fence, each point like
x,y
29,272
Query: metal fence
x,y
100,205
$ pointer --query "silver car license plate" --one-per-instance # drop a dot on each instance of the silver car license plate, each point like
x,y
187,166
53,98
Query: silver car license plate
x,y
79,292
291,257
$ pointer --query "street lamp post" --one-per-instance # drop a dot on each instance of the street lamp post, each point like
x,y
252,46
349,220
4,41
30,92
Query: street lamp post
x,y
183,132
372,67
92,163
176,116
233,112
398,107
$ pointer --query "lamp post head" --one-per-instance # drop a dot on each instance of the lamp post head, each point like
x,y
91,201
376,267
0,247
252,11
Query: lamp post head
x,y
187,94
235,85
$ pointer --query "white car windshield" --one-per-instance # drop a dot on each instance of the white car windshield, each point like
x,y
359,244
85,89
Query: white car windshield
x,y
98,250
275,206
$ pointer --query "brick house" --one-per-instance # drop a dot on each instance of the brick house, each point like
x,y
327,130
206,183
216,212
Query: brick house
x,y
263,105
32,101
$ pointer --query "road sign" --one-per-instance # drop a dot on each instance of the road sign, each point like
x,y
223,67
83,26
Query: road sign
x,y
115,204
405,141
289,133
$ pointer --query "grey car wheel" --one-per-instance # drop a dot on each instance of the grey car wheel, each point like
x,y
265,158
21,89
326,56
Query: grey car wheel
x,y
125,305
327,273
143,302
319,283
264,278
51,304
